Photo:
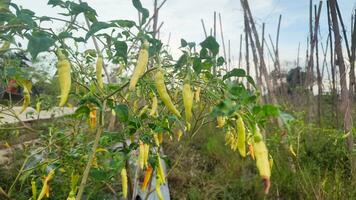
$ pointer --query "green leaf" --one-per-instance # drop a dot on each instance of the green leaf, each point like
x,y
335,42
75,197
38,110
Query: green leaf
x,y
121,50
211,44
191,44
6,16
197,65
145,13
83,7
25,16
90,52
183,43
181,61
92,100
38,42
81,111
55,3
122,112
64,35
220,61
204,53
97,26
124,23
235,72
251,81
270,110
44,18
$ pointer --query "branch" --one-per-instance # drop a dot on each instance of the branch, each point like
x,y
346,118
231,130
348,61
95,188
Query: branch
x,y
126,84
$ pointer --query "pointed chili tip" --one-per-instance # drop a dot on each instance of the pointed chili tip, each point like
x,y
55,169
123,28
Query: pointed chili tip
x,y
266,184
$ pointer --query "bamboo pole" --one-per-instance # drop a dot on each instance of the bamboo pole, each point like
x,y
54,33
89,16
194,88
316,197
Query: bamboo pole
x,y
278,66
319,77
240,52
298,55
263,67
203,25
247,52
345,97
229,54
333,71
222,36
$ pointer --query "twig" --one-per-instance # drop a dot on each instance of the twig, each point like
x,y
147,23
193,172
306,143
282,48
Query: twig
x,y
126,84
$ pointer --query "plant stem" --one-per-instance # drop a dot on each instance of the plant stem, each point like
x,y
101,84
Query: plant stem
x,y
99,131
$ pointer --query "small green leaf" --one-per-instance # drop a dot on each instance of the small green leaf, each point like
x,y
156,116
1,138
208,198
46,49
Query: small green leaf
x,y
235,72
211,44
81,111
92,100
191,44
197,65
121,50
122,112
145,13
270,110
44,18
204,53
55,2
124,23
181,61
97,26
38,42
83,7
64,35
220,61
183,43
251,81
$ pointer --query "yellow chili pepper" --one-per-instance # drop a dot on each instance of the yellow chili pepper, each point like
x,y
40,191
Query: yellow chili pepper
x,y
92,117
292,150
146,154
221,121
262,161
34,189
45,187
160,172
154,107
197,94
124,181
241,137
141,155
141,65
160,137
99,71
143,110
251,151
188,103
64,77
38,106
158,189
162,92
27,87
179,134
155,137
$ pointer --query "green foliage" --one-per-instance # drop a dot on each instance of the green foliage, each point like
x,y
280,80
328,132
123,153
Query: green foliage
x,y
88,141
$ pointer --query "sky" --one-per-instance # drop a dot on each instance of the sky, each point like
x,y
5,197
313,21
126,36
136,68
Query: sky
x,y
182,19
